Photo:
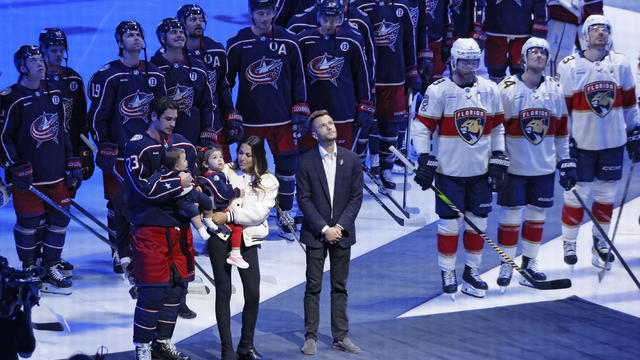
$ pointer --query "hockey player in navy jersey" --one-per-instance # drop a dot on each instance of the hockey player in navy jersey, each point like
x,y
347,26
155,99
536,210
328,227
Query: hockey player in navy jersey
x,y
272,95
187,83
286,9
435,13
506,25
600,93
460,24
37,152
336,73
537,142
227,127
467,159
120,94
162,242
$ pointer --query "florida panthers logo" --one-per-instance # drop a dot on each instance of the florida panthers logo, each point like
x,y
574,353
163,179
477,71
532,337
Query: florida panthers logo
x,y
67,103
135,106
45,128
212,78
325,67
184,96
264,72
470,124
430,7
535,124
413,14
386,33
601,96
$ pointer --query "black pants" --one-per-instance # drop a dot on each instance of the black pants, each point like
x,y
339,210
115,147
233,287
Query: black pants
x,y
339,271
218,251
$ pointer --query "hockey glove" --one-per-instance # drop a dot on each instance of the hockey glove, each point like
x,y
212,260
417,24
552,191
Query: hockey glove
x,y
300,120
498,165
21,175
208,137
88,166
427,165
364,115
568,173
414,82
74,172
573,148
425,65
539,29
633,144
479,35
107,157
5,195
233,130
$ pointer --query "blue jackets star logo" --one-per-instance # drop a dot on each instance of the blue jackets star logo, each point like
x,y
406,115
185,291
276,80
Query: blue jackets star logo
x,y
264,72
45,128
184,96
325,67
385,33
135,106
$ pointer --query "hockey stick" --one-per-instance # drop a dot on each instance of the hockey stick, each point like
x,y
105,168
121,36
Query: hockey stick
x,y
93,218
602,272
540,285
291,227
384,191
211,280
410,116
412,221
605,237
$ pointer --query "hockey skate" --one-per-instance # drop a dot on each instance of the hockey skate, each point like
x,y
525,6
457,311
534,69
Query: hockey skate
x,y
570,257
143,351
185,312
55,283
530,266
449,283
504,278
472,284
387,179
164,349
66,268
602,258
285,225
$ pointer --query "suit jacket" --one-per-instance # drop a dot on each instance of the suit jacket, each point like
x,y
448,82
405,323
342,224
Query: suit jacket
x,y
313,196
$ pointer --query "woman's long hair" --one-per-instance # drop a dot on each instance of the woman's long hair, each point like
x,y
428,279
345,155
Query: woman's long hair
x,y
259,156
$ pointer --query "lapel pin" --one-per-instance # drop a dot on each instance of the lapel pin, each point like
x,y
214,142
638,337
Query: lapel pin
x,y
341,161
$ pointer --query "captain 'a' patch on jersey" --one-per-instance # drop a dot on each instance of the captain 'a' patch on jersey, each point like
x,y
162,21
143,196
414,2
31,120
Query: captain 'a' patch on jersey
x,y
325,67
265,71
470,123
45,128
135,106
385,33
601,95
183,95
535,124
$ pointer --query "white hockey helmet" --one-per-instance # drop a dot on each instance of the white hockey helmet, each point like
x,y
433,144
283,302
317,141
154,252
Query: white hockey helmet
x,y
596,20
466,49
534,42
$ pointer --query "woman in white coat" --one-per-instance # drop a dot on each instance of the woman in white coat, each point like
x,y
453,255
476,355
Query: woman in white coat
x,y
249,173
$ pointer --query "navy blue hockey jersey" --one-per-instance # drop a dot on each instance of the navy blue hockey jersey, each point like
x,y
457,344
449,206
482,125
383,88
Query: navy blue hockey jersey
x,y
74,101
513,17
33,131
214,56
435,13
461,15
286,9
151,191
394,39
336,71
418,16
270,75
187,83
120,100
216,185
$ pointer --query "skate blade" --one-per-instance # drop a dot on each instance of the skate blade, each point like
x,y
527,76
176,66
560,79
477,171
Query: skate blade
x,y
467,289
600,264
50,289
452,297
525,282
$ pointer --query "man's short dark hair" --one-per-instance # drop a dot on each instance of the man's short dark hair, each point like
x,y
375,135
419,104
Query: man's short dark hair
x,y
161,104
172,155
316,114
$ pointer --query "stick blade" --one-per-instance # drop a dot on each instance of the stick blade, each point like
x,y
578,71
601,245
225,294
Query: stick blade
x,y
552,284
50,326
415,221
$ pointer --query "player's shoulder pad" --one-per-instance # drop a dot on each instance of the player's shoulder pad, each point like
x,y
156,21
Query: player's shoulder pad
x,y
136,137
568,59
507,82
552,80
210,43
439,81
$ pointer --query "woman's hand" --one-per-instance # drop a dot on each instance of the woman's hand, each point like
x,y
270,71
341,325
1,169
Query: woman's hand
x,y
219,218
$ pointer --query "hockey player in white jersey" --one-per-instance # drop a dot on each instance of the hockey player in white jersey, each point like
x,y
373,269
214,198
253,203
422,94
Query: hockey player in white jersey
x,y
464,114
599,89
537,141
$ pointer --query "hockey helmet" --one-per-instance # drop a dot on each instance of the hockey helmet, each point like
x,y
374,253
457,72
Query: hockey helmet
x,y
129,25
330,7
464,49
534,42
165,26
52,37
261,5
190,9
596,20
25,52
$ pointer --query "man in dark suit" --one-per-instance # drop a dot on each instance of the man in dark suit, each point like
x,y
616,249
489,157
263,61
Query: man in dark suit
x,y
329,191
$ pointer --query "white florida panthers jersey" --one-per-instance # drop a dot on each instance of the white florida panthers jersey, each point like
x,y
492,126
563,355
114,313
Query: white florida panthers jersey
x,y
601,100
466,124
535,122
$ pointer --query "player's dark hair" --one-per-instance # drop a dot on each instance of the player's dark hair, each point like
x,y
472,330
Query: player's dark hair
x,y
161,104
259,156
204,154
316,114
172,155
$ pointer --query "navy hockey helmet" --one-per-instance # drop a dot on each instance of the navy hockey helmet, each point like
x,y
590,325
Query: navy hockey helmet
x,y
190,9
330,7
128,25
25,52
52,37
167,25
261,5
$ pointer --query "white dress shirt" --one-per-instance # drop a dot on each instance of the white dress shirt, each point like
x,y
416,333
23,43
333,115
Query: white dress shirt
x,y
329,161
